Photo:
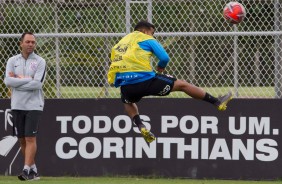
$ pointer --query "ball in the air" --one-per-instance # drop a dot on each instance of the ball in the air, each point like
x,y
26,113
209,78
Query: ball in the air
x,y
234,12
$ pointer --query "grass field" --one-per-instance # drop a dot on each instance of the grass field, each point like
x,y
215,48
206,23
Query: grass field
x,y
111,92
127,180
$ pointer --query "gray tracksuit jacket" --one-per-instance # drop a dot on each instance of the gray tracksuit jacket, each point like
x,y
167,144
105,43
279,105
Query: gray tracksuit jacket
x,y
27,92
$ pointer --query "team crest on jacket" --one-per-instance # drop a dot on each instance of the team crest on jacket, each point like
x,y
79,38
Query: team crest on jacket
x,y
33,65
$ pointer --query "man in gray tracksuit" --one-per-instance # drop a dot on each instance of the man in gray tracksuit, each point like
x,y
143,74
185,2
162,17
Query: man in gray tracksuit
x,y
25,74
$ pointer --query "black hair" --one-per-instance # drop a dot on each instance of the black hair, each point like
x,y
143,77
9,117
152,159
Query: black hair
x,y
143,25
25,33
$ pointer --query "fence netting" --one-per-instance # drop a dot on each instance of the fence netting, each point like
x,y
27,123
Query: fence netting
x,y
75,37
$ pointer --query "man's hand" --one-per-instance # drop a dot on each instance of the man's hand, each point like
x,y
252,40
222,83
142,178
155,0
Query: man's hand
x,y
21,76
11,74
160,70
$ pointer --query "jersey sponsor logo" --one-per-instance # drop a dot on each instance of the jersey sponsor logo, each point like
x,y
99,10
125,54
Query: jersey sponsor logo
x,y
122,48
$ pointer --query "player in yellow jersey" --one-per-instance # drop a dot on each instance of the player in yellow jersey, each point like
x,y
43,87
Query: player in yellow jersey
x,y
131,70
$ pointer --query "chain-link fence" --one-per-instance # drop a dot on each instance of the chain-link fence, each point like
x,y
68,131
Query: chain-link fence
x,y
75,37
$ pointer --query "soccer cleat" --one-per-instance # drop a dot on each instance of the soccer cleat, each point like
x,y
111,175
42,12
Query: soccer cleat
x,y
147,135
24,175
223,100
33,175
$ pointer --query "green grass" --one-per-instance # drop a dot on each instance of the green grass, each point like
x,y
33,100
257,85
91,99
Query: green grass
x,y
111,92
128,180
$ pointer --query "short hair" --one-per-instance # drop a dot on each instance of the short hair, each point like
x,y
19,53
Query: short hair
x,y
26,33
143,24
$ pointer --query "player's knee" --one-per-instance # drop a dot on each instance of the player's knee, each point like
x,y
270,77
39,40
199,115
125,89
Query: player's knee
x,y
30,139
180,85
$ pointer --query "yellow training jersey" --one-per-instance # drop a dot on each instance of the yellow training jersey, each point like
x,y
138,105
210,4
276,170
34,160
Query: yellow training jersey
x,y
127,56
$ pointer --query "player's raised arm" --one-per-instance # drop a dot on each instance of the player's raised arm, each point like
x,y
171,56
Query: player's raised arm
x,y
158,50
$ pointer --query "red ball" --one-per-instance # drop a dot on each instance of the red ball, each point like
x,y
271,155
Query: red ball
x,y
234,12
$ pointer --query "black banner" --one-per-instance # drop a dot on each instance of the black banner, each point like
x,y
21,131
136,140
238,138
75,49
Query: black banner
x,y
94,137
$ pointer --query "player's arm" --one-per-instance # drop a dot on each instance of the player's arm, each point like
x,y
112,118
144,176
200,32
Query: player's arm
x,y
157,49
38,79
11,79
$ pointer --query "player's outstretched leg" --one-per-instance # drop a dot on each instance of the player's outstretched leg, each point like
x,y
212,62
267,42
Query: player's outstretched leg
x,y
223,101
197,93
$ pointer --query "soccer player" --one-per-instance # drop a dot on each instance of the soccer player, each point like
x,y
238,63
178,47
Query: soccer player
x,y
131,70
25,74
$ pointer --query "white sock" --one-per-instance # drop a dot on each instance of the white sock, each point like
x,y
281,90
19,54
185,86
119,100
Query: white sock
x,y
34,168
27,168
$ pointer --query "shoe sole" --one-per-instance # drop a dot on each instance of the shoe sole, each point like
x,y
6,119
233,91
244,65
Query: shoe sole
x,y
20,177
223,106
147,135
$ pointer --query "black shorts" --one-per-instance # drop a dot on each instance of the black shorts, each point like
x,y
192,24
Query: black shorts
x,y
160,85
25,123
